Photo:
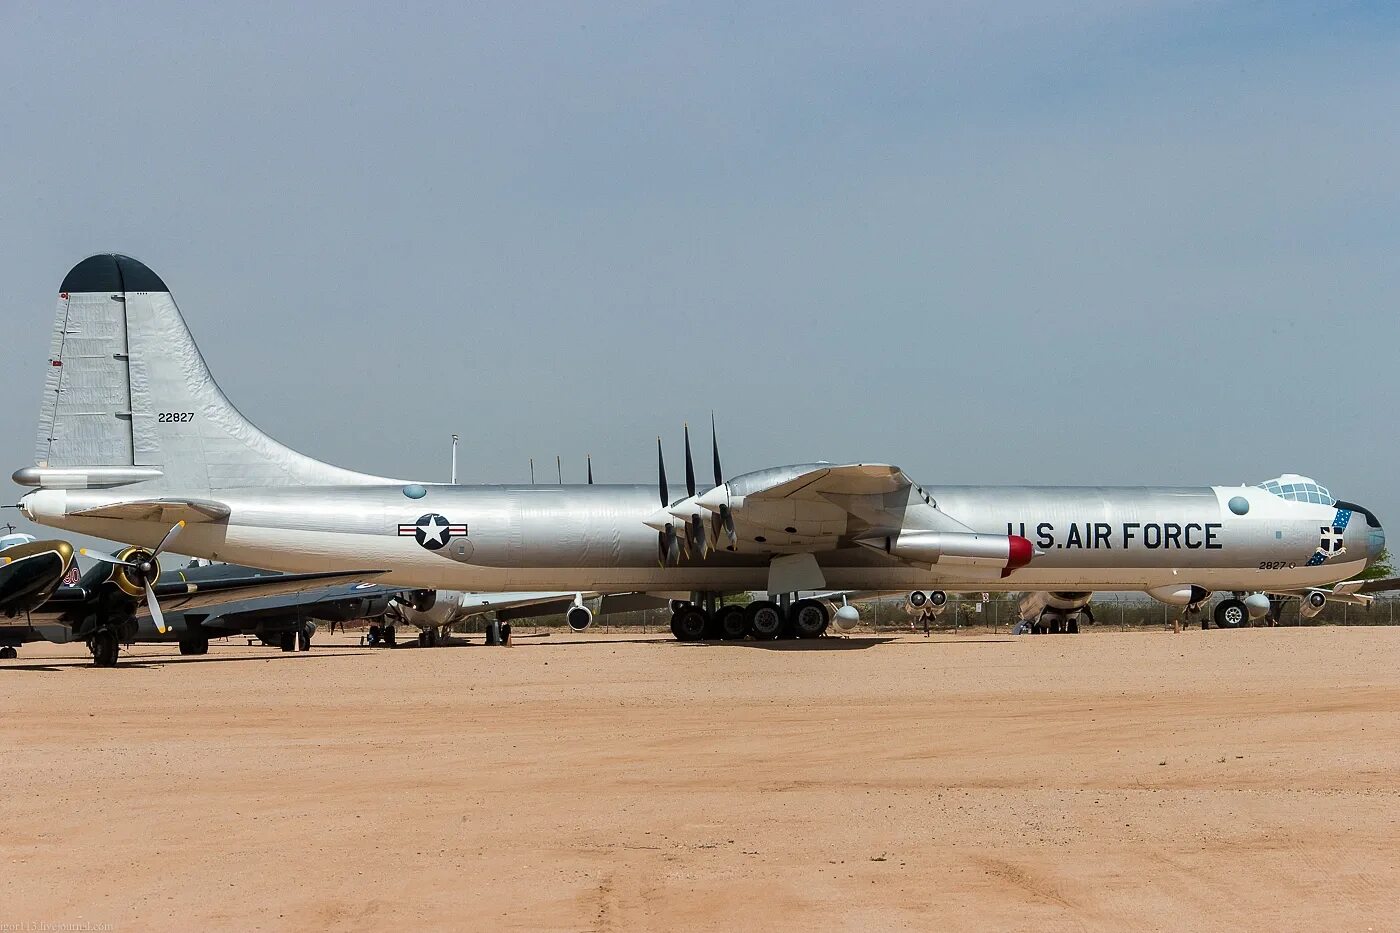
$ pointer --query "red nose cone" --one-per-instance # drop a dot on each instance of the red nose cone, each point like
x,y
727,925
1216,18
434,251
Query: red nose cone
x,y
1020,552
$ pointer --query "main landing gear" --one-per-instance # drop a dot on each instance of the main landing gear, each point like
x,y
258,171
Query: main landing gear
x,y
1061,621
701,619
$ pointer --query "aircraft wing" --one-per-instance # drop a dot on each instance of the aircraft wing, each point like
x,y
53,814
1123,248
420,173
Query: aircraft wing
x,y
1378,586
508,606
823,506
511,606
178,591
1348,592
345,600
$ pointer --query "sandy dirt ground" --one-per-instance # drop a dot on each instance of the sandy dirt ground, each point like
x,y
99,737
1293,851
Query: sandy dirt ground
x,y
1245,780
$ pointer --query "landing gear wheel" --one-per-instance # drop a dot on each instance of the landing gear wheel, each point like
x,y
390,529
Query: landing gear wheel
x,y
809,618
104,648
1072,626
731,623
389,635
765,619
1231,613
675,629
194,646
288,642
304,638
690,623
8,653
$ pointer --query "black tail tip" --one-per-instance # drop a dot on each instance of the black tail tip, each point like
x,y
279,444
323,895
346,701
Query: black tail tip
x,y
111,272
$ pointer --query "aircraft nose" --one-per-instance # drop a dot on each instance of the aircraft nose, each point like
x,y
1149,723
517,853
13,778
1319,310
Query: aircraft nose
x,y
1375,544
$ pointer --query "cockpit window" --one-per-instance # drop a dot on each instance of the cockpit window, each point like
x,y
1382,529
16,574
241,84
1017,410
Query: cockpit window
x,y
1298,489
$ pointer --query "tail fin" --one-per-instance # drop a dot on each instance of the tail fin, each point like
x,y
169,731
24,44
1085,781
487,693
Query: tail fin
x,y
129,397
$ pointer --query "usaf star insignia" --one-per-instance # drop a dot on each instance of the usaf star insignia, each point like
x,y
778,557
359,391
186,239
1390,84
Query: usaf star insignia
x,y
433,531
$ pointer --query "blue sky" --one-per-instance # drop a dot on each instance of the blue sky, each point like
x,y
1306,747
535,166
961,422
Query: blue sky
x,y
1081,243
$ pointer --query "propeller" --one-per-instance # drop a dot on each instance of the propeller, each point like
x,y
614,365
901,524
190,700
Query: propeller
x,y
590,469
695,537
722,519
668,542
142,568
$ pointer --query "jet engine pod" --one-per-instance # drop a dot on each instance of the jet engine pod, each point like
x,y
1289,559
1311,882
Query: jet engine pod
x,y
579,618
1313,603
422,600
920,603
1174,594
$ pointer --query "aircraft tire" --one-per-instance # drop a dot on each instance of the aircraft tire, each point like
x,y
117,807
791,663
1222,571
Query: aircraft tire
x,y
1072,627
691,624
809,618
1230,613
731,623
675,629
194,646
8,653
765,619
104,648
390,636
288,641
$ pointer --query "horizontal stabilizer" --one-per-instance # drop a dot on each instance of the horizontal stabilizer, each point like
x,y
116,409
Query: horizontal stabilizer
x,y
165,511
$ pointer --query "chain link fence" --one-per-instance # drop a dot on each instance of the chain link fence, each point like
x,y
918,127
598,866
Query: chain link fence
x,y
1112,612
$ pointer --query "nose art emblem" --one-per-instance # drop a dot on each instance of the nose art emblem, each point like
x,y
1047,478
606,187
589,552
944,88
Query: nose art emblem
x,y
1330,539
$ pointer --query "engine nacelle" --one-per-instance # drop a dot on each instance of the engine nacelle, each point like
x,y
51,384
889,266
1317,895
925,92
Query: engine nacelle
x,y
1175,594
579,618
128,579
1257,605
1313,602
845,616
422,600
931,604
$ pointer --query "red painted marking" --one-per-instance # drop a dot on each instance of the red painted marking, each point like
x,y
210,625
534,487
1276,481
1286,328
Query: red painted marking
x,y
63,295
1019,553
56,362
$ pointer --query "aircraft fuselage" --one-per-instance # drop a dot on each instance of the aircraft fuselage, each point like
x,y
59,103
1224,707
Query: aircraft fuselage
x,y
595,538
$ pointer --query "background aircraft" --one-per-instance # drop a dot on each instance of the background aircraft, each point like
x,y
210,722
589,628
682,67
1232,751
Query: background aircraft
x,y
435,614
30,571
105,607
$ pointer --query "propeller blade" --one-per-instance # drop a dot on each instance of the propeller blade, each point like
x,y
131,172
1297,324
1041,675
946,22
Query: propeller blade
x,y
714,446
153,604
170,536
727,515
590,469
661,468
689,466
106,558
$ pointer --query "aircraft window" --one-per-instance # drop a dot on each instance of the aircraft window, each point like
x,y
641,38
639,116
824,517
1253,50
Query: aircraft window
x,y
1303,490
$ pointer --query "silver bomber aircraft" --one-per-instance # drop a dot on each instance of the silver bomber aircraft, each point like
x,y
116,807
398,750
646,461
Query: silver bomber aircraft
x,y
135,437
